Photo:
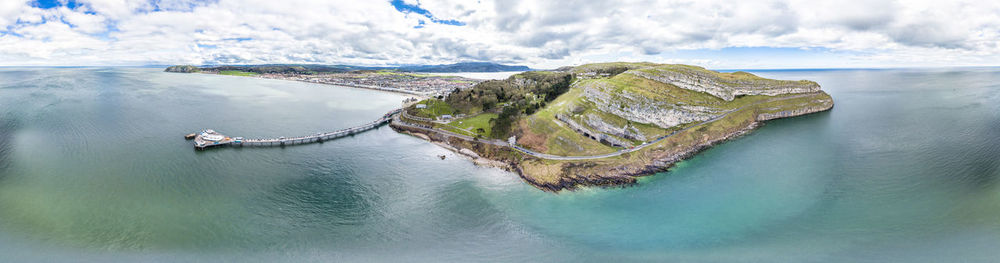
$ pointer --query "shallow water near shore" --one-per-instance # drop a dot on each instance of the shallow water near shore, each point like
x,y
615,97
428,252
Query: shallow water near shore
x,y
93,167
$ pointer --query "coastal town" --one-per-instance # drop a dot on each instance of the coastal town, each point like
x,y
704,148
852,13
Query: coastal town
x,y
424,85
399,80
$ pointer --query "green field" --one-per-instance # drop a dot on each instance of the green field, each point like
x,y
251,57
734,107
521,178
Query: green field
x,y
478,125
237,73
434,109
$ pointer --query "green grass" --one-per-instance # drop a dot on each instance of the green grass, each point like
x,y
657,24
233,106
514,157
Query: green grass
x,y
434,109
732,122
237,73
454,129
541,131
649,130
574,98
560,139
475,123
608,65
551,171
726,79
564,141
659,91
390,72
656,90
741,118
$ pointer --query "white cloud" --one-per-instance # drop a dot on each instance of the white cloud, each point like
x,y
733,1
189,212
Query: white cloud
x,y
86,23
9,11
537,33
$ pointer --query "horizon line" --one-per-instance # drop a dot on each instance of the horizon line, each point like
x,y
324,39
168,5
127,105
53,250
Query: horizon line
x,y
532,69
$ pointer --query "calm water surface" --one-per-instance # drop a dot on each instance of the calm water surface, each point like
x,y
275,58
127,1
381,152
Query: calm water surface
x,y
93,167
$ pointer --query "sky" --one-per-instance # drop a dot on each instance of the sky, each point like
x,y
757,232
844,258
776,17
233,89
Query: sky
x,y
759,34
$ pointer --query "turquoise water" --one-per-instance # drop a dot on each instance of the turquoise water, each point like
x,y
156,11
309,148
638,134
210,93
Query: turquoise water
x,y
93,167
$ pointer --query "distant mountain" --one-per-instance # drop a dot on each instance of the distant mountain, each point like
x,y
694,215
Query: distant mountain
x,y
290,68
464,67
183,69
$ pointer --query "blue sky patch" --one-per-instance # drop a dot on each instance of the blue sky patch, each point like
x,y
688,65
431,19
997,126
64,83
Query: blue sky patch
x,y
47,4
416,9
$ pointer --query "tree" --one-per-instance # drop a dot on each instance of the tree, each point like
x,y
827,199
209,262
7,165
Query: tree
x,y
503,124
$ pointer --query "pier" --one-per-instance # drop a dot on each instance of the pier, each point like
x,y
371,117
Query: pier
x,y
210,138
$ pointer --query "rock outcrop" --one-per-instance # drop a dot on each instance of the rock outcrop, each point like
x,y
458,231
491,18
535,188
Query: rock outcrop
x,y
597,136
627,131
641,109
727,89
796,112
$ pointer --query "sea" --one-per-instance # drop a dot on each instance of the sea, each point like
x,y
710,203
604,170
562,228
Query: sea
x,y
94,168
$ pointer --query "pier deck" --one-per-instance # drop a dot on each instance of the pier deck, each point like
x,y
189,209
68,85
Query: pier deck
x,y
210,138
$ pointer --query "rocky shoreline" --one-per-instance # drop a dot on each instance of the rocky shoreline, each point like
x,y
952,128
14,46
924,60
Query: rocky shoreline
x,y
449,143
588,173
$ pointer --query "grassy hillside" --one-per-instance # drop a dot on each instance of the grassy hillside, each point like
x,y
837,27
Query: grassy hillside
x,y
432,109
625,119
612,99
237,73
606,107
503,101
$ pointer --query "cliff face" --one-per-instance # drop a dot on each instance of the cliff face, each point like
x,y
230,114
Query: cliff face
x,y
627,131
597,136
642,109
824,105
724,88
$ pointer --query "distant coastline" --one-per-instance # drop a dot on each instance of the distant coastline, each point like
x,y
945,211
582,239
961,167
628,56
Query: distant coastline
x,y
383,89
422,85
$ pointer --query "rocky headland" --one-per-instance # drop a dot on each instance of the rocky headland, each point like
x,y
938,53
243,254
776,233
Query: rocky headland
x,y
605,124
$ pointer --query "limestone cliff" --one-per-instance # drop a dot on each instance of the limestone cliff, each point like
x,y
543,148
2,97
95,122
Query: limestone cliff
x,y
736,84
638,108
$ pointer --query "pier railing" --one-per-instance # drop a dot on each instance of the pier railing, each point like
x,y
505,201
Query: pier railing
x,y
319,137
